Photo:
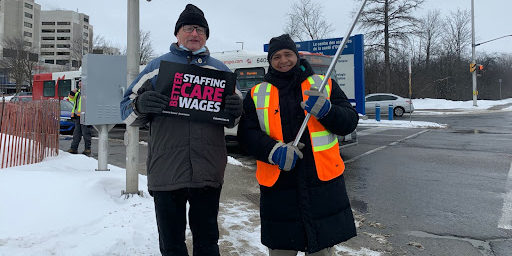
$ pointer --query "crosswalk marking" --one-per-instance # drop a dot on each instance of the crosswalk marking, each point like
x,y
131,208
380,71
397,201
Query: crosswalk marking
x,y
506,212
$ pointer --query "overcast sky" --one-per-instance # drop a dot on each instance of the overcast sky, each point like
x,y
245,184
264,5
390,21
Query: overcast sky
x,y
255,22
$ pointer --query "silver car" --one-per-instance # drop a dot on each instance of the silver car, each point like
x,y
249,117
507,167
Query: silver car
x,y
400,105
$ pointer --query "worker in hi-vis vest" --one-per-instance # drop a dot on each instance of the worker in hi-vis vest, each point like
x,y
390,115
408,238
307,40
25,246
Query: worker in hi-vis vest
x,y
304,204
80,129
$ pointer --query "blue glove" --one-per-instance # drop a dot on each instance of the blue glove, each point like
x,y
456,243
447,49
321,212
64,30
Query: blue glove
x,y
285,155
317,104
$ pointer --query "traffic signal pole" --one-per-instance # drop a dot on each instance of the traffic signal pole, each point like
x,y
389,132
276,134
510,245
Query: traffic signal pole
x,y
473,54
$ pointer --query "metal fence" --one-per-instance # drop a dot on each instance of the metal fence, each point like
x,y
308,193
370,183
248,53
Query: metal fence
x,y
29,132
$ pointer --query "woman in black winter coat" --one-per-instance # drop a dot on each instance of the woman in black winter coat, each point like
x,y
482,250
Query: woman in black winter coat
x,y
299,212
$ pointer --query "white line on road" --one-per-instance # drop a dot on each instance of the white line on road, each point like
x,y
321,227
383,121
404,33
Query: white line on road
x,y
506,213
383,147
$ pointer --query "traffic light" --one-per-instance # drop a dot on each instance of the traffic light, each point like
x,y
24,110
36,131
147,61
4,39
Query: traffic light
x,y
472,67
480,67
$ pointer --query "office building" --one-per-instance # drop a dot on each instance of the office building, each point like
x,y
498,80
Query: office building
x,y
20,19
65,37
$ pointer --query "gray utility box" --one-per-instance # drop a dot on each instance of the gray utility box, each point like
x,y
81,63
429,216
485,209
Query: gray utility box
x,y
103,83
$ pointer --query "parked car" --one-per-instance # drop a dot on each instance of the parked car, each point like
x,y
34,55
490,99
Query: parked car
x,y
66,124
21,98
400,105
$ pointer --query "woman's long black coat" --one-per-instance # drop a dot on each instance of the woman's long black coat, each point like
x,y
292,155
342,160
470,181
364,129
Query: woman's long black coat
x,y
300,212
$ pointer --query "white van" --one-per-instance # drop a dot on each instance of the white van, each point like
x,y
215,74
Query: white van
x,y
251,67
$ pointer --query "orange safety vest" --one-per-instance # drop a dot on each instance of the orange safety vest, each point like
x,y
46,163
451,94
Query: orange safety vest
x,y
326,152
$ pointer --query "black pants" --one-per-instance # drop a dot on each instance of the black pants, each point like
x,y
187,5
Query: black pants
x,y
170,208
81,130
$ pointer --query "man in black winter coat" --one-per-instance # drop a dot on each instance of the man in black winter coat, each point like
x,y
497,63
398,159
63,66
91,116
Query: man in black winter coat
x,y
304,204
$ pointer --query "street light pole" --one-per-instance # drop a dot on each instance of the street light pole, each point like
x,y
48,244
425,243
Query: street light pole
x,y
473,57
131,137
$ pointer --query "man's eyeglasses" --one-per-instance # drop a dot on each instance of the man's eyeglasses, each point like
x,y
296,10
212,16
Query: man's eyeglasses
x,y
190,29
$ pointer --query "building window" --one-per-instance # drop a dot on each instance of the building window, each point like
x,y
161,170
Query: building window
x,y
28,15
29,6
51,38
48,30
28,25
28,44
48,53
49,86
62,53
49,61
86,27
48,23
63,23
63,46
86,19
86,35
47,46
63,30
63,38
62,62
27,34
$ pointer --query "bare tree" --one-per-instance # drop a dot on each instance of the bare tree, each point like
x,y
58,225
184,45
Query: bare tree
x,y
457,32
77,52
387,21
306,22
102,46
19,59
429,32
146,49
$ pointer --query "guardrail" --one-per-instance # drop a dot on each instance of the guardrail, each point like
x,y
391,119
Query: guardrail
x,y
29,132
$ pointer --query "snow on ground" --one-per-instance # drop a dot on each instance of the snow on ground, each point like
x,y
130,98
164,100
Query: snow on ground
x,y
423,104
400,124
61,206
437,107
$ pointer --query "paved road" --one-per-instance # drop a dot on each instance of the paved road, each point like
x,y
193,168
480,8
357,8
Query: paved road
x,y
414,191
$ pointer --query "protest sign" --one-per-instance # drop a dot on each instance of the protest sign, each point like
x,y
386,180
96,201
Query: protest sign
x,y
196,93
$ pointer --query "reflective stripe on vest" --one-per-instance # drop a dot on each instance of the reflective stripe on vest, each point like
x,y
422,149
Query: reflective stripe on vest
x,y
261,98
323,140
325,145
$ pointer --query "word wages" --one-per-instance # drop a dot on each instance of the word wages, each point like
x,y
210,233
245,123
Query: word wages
x,y
195,92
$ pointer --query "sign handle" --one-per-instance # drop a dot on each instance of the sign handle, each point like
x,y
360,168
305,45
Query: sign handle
x,y
329,70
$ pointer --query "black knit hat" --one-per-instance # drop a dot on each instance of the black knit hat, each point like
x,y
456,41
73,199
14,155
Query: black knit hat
x,y
192,15
283,41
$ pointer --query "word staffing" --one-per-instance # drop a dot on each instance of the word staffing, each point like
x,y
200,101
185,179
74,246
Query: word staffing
x,y
198,93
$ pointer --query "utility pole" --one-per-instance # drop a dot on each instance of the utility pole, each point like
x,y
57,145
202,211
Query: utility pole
x,y
131,136
500,80
473,55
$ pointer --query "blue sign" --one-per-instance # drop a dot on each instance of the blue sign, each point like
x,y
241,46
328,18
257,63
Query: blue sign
x,y
324,46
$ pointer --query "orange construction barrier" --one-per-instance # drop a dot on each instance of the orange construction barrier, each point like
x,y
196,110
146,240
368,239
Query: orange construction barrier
x,y
29,132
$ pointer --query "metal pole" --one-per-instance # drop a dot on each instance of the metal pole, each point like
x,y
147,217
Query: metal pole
x,y
329,70
103,130
473,54
410,90
131,138
499,80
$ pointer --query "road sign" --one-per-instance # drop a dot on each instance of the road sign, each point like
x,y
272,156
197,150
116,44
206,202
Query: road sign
x,y
472,67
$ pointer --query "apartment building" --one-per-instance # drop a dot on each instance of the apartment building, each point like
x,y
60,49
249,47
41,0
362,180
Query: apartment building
x,y
20,18
65,37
